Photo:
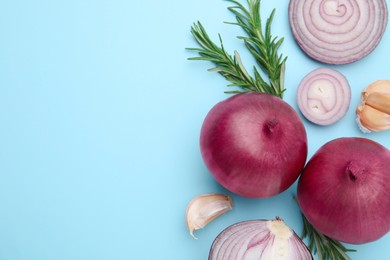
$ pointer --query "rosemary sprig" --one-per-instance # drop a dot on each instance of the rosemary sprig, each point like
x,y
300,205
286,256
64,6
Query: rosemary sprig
x,y
261,45
325,247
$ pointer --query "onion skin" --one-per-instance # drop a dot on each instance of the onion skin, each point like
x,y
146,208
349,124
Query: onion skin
x,y
338,31
344,190
254,144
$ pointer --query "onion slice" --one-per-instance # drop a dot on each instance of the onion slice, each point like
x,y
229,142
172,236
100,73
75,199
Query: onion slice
x,y
324,96
338,31
260,240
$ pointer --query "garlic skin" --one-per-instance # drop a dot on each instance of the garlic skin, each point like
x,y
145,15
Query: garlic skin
x,y
205,208
373,113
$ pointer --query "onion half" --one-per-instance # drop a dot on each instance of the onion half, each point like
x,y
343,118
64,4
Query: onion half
x,y
254,144
338,31
260,240
344,190
324,96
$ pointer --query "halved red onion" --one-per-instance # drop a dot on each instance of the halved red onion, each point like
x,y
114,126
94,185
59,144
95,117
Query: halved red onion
x,y
344,190
338,31
324,96
260,240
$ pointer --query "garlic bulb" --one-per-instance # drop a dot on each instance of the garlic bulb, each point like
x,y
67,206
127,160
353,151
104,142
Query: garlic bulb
x,y
205,208
373,113
260,240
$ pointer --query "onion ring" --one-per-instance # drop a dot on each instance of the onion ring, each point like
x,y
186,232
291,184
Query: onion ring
x,y
338,31
324,96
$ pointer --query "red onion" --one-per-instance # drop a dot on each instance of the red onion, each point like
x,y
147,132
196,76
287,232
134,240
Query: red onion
x,y
338,31
324,96
254,144
344,190
259,239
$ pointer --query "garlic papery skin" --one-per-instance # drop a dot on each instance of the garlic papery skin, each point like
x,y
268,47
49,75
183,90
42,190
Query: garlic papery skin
x,y
205,208
259,240
373,113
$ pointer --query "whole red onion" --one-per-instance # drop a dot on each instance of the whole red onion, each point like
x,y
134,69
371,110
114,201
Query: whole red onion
x,y
254,144
344,190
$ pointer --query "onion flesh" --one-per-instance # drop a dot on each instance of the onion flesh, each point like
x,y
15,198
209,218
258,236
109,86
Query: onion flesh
x,y
338,31
324,96
344,190
259,240
254,144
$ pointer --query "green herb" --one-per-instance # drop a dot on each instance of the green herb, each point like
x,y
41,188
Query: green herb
x,y
262,46
325,247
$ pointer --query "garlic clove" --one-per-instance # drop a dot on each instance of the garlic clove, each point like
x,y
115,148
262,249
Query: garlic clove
x,y
380,101
382,86
372,120
373,113
205,208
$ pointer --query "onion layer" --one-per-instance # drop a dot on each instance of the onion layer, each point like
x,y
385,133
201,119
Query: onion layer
x,y
254,144
260,240
338,31
324,96
344,190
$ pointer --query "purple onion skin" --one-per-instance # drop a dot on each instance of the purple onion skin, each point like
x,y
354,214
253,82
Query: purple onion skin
x,y
254,144
344,190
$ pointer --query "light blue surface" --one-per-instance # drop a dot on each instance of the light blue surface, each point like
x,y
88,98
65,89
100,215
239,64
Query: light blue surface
x,y
100,115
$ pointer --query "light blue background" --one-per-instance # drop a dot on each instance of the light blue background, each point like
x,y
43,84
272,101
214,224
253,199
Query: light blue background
x,y
100,115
